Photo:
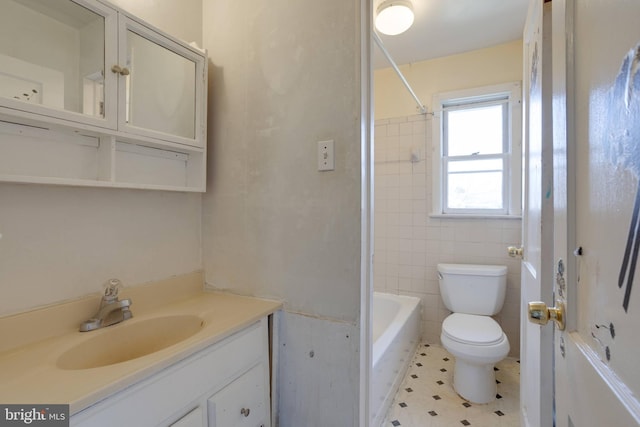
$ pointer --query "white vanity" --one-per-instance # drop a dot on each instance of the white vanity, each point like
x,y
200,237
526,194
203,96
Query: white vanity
x,y
93,96
217,375
224,385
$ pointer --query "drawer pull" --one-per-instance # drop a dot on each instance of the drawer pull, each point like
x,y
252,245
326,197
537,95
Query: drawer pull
x,y
245,411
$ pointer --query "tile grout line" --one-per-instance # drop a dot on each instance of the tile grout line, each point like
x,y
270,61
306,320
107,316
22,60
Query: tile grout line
x,y
426,396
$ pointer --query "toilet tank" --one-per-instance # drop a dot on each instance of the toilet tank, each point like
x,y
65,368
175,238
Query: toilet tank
x,y
473,289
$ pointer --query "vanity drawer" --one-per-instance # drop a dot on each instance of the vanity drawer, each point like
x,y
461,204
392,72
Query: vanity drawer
x,y
242,403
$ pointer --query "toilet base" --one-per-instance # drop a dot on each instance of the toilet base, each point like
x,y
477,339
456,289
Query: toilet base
x,y
475,383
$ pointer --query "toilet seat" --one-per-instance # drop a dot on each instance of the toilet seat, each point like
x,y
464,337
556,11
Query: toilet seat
x,y
472,329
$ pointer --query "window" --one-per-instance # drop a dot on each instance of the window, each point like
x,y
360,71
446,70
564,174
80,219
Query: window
x,y
477,152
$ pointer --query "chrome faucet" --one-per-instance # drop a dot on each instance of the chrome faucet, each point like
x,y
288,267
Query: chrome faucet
x,y
111,310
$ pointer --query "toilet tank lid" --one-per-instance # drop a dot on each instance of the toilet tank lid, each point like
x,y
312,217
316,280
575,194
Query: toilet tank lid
x,y
473,269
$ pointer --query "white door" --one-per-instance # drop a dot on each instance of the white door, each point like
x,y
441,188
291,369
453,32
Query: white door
x,y
597,166
536,386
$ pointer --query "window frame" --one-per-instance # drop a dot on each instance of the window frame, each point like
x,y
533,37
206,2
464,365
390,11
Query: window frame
x,y
509,94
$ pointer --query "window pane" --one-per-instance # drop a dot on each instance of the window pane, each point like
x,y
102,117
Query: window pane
x,y
475,130
475,190
475,165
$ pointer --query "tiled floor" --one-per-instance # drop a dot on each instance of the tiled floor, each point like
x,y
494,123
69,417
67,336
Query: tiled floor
x,y
426,397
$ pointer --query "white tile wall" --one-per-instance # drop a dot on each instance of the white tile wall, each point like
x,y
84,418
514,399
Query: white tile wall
x,y
409,244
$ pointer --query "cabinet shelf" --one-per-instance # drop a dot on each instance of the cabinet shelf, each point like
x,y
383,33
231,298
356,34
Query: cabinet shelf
x,y
88,159
89,183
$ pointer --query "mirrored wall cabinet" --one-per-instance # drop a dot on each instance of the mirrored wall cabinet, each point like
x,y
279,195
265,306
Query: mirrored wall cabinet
x,y
92,96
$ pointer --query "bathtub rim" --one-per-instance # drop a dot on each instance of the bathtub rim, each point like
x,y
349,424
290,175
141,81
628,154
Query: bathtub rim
x,y
407,307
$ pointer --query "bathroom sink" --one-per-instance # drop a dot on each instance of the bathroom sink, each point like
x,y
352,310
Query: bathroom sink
x,y
127,341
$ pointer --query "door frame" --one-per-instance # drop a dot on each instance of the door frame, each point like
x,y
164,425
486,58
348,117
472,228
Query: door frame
x,y
536,350
365,25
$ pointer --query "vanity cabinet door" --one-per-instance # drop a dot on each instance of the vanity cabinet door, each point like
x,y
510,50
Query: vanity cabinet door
x,y
161,86
192,419
243,403
54,56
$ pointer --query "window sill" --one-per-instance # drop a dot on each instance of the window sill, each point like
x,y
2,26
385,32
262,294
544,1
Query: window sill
x,y
473,216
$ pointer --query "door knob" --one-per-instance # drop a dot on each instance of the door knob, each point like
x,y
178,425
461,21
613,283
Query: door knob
x,y
515,252
539,313
123,71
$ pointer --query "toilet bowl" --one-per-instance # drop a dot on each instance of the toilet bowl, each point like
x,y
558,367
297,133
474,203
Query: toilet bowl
x,y
473,293
477,343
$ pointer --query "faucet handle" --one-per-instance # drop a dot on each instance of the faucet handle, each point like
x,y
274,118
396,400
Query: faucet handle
x,y
112,287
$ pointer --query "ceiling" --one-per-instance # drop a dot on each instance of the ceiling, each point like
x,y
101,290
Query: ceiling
x,y
447,27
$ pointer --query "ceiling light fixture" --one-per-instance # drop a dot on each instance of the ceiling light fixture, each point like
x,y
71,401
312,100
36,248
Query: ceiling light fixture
x,y
394,17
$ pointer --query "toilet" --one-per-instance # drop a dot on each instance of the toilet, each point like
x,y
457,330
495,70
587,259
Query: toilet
x,y
473,293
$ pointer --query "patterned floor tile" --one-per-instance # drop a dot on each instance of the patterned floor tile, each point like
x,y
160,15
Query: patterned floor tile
x,y
432,402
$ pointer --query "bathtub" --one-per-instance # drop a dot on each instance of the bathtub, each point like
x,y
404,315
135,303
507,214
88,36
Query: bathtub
x,y
396,333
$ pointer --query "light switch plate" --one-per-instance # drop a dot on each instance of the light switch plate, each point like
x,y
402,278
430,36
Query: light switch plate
x,y
326,158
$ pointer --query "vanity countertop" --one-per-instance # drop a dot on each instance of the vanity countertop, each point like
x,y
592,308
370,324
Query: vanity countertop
x,y
32,342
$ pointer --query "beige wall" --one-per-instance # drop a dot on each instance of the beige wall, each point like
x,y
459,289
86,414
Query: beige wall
x,y
284,75
494,65
59,243
62,242
181,19
408,242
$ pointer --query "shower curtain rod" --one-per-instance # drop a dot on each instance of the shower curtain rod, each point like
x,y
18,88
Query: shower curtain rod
x,y
421,107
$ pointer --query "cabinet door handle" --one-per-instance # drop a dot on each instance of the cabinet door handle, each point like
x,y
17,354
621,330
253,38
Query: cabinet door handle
x,y
245,411
118,70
